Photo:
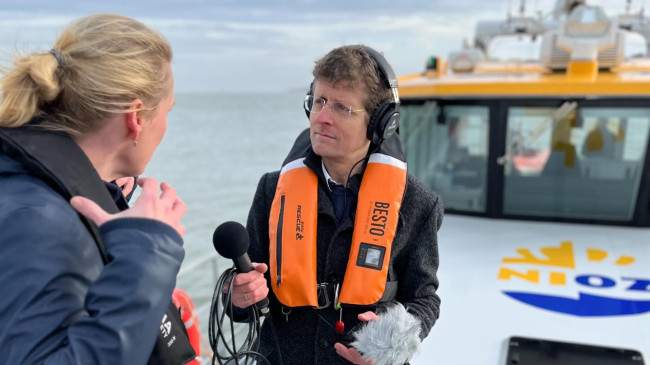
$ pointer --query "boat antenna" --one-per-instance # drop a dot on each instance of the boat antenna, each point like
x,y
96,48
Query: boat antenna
x,y
508,14
628,5
522,8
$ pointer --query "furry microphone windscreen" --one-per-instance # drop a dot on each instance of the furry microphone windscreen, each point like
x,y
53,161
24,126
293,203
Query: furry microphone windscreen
x,y
391,339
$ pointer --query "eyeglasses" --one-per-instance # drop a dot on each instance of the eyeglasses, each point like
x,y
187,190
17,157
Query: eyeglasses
x,y
339,111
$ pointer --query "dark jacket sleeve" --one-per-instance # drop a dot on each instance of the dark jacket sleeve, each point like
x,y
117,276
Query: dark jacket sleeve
x,y
418,280
61,305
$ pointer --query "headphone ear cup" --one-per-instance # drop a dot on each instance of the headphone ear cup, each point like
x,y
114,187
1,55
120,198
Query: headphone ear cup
x,y
392,122
307,107
305,104
383,122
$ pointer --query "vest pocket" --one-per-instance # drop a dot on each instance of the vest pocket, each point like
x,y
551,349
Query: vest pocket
x,y
278,249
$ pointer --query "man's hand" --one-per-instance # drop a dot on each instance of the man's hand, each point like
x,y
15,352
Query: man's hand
x,y
166,208
350,353
249,288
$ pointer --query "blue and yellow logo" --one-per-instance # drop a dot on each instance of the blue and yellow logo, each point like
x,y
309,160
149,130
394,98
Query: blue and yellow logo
x,y
553,282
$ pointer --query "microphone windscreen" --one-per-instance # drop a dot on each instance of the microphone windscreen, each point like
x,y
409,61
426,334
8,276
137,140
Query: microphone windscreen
x,y
393,338
231,240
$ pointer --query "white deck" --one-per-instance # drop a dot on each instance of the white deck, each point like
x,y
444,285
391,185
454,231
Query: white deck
x,y
477,318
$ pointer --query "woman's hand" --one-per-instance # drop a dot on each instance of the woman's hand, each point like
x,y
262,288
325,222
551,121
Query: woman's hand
x,y
165,207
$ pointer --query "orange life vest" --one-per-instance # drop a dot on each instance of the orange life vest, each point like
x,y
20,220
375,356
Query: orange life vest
x,y
292,230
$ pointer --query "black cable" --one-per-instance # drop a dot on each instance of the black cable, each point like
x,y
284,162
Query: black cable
x,y
347,181
218,315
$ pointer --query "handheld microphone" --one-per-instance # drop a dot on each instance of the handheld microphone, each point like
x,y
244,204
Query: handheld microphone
x,y
231,241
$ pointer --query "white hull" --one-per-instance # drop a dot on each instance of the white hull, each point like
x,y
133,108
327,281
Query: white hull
x,y
477,318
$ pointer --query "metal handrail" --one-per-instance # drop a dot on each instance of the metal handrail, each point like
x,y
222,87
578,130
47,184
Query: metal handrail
x,y
200,262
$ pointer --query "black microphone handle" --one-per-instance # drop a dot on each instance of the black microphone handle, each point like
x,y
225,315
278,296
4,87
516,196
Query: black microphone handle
x,y
244,265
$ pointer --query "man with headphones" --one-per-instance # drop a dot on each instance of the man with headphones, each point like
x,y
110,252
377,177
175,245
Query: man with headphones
x,y
343,239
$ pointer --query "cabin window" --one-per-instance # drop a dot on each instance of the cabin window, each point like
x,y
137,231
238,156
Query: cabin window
x,y
584,164
447,149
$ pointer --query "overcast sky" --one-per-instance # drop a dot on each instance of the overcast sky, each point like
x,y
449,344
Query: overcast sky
x,y
271,45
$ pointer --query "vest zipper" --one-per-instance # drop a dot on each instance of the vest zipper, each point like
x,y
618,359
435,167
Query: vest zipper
x,y
278,250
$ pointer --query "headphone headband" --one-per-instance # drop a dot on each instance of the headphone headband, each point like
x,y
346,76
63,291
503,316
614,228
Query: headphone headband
x,y
389,79
387,75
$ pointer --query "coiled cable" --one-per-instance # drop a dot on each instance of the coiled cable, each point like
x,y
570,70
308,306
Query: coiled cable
x,y
221,310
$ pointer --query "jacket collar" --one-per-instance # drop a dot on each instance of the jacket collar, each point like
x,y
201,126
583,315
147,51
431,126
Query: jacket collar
x,y
56,159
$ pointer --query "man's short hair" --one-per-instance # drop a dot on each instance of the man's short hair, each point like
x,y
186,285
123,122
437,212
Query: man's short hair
x,y
352,67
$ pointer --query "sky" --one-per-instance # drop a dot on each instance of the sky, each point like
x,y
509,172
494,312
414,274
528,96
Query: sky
x,y
271,45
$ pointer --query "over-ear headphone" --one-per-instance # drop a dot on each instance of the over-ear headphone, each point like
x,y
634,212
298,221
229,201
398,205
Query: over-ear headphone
x,y
384,121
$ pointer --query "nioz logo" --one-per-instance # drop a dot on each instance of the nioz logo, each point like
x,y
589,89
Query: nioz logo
x,y
585,282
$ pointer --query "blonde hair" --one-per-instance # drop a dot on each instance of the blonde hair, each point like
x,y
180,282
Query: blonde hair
x,y
98,66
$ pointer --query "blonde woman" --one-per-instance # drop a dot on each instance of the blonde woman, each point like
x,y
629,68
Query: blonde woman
x,y
88,285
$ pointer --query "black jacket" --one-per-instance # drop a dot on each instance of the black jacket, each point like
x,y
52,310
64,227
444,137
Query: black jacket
x,y
306,335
